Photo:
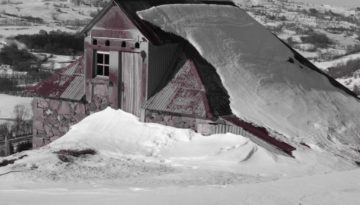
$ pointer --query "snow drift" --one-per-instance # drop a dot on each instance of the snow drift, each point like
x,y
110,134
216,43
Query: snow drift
x,y
266,84
132,152
115,132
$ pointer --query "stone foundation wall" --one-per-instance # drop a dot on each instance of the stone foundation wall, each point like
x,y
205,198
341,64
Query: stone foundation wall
x,y
53,118
173,120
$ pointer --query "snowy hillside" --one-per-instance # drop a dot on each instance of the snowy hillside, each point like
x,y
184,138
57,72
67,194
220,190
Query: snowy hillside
x,y
31,16
113,156
319,32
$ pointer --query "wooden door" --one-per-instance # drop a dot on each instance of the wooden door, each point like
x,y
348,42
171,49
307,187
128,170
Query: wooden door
x,y
131,95
115,80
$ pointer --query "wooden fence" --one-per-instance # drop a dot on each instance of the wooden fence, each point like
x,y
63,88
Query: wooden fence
x,y
11,145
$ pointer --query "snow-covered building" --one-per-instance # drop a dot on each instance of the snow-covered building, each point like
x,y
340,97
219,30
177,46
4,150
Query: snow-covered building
x,y
132,65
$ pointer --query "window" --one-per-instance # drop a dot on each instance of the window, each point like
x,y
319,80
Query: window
x,y
102,63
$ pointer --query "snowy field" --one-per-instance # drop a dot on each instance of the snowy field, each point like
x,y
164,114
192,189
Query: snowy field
x,y
138,163
328,189
55,62
343,60
46,15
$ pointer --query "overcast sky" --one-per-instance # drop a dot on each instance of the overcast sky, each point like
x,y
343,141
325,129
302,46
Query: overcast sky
x,y
343,3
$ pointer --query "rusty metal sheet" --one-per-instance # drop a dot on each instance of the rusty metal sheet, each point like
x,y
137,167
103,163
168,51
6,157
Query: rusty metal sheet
x,y
75,90
67,83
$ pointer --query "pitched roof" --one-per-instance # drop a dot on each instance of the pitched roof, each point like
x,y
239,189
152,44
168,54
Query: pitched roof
x,y
67,83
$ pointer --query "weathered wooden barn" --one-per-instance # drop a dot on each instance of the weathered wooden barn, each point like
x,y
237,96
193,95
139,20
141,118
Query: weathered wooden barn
x,y
131,65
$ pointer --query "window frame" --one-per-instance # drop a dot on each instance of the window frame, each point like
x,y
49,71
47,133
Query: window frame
x,y
104,65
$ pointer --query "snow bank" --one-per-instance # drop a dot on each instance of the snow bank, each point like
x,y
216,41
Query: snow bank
x,y
132,153
267,86
120,132
115,132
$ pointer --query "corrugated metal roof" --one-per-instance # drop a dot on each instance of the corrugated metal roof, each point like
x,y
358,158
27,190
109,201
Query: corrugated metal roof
x,y
75,90
67,83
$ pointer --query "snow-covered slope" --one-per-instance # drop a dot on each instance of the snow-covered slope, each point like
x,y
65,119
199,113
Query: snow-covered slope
x,y
120,141
267,85
140,163
31,16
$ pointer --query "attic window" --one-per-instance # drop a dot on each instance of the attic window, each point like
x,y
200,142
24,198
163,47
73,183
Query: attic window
x,y
102,63
94,42
123,44
137,45
107,43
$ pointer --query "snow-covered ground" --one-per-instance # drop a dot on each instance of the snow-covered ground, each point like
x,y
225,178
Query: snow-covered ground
x,y
328,189
8,103
343,3
55,62
139,163
327,64
31,16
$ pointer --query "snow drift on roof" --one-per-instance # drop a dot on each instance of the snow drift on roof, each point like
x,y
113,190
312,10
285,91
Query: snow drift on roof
x,y
267,85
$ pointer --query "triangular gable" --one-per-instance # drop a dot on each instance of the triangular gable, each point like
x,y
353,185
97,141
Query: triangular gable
x,y
184,94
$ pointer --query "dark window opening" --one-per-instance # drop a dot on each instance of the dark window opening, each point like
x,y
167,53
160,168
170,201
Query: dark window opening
x,y
123,44
94,42
137,45
107,43
102,63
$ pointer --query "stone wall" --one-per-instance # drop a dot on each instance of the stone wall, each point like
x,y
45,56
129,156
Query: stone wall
x,y
53,118
173,120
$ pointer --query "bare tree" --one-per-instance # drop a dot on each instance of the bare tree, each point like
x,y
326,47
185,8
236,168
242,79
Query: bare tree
x,y
21,113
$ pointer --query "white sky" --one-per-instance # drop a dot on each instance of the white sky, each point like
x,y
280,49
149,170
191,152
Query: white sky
x,y
343,3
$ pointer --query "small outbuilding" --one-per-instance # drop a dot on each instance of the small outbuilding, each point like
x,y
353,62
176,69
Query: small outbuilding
x,y
132,65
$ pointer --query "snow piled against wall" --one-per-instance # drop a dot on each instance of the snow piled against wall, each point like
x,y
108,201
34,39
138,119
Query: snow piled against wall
x,y
132,152
264,87
115,132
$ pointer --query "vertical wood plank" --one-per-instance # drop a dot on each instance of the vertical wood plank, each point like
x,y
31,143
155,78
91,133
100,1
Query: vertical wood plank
x,y
114,78
132,82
